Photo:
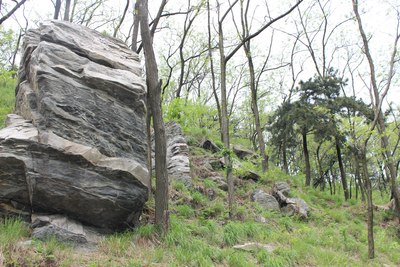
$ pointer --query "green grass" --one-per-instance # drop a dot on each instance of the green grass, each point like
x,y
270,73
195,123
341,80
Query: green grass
x,y
11,230
7,96
201,234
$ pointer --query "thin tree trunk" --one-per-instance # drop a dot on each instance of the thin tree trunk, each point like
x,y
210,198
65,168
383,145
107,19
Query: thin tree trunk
x,y
214,87
16,50
186,29
135,31
253,85
254,105
149,145
358,178
333,181
370,210
330,185
154,90
320,171
379,117
341,168
350,188
71,18
9,14
225,126
357,187
67,8
57,9
306,159
284,156
122,19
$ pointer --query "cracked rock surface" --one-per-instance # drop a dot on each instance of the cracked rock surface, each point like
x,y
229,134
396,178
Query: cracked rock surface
x,y
76,144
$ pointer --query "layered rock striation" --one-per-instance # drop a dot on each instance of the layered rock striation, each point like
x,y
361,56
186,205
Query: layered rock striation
x,y
77,143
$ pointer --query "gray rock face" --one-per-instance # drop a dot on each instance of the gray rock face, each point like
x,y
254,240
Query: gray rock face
x,y
177,154
266,200
296,206
290,206
251,175
63,229
242,153
78,144
85,88
46,173
210,145
283,187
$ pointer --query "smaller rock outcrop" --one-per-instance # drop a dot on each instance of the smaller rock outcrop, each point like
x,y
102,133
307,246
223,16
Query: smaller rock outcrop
x,y
278,200
210,145
254,247
296,206
290,206
265,200
178,163
63,229
282,187
242,153
250,175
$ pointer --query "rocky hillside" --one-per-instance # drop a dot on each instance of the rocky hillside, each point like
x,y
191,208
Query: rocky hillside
x,y
263,232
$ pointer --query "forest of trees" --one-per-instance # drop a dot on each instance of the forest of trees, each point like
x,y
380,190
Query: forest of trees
x,y
311,85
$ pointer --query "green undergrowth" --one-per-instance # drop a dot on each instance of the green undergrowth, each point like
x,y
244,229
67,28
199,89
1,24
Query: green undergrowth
x,y
7,95
201,234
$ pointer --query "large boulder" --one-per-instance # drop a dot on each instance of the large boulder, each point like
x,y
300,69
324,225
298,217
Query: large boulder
x,y
85,88
77,144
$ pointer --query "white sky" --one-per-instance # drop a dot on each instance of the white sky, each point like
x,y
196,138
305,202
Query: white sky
x,y
378,18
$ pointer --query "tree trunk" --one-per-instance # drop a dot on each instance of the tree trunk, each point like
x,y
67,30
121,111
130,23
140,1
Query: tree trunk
x,y
212,65
341,168
284,156
225,122
122,19
319,164
306,159
16,49
12,11
333,181
254,108
135,31
57,8
149,145
379,117
154,90
71,18
67,8
370,212
358,178
390,166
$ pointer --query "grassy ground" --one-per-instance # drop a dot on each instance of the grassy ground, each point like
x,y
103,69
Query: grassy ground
x,y
7,96
201,235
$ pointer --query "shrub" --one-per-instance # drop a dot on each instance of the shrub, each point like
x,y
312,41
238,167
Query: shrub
x,y
7,93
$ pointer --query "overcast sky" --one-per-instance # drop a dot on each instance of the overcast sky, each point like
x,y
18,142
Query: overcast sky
x,y
378,17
